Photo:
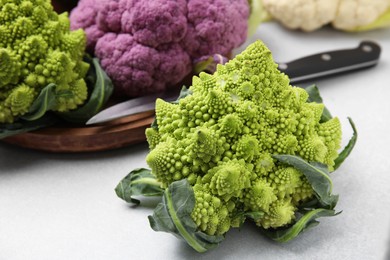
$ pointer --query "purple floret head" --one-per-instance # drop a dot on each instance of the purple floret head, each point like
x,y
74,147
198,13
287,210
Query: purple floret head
x,y
84,16
134,64
216,26
154,23
146,46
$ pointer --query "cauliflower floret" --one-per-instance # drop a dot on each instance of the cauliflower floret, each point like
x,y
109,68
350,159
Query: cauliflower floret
x,y
307,15
356,13
157,41
348,15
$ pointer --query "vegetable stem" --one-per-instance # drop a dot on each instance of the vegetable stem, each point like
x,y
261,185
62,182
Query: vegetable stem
x,y
183,232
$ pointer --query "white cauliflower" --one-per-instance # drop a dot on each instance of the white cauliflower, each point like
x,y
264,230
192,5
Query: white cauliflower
x,y
348,15
354,14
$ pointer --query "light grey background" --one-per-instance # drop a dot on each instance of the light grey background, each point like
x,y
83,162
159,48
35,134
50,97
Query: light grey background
x,y
56,206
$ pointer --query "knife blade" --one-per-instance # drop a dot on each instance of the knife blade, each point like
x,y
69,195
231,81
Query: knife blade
x,y
310,67
131,107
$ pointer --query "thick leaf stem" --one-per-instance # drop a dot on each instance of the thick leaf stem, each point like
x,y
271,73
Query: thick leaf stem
x,y
183,232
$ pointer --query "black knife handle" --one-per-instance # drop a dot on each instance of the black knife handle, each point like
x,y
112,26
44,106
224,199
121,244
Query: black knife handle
x,y
332,62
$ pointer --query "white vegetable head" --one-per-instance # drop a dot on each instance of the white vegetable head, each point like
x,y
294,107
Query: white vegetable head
x,y
349,15
307,15
357,13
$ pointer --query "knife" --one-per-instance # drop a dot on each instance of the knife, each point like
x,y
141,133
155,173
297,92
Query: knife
x,y
314,66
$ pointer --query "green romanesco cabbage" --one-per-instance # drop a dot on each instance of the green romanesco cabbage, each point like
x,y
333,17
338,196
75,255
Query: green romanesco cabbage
x,y
36,49
221,138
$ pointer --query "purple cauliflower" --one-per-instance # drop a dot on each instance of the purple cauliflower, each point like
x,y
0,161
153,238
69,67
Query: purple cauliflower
x,y
146,46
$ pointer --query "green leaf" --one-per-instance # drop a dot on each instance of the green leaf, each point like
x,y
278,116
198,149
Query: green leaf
x,y
138,182
242,216
307,221
347,149
318,176
100,87
254,215
45,101
23,126
184,92
314,96
173,215
311,204
154,124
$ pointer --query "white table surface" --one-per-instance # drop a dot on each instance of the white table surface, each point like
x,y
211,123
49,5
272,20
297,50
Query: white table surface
x,y
56,206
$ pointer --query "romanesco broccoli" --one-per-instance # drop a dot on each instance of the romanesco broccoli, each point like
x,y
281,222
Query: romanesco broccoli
x,y
243,144
36,49
222,136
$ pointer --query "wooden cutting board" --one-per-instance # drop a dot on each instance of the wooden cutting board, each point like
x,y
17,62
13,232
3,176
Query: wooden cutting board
x,y
73,139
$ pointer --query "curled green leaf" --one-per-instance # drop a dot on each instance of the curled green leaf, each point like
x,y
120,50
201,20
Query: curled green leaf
x,y
138,182
173,215
308,220
45,101
347,149
318,176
